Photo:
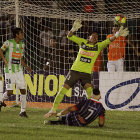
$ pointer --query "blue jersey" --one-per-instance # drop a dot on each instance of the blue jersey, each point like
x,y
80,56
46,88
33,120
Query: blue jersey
x,y
88,110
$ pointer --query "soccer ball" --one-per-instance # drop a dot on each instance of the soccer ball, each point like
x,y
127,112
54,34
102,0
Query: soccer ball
x,y
120,20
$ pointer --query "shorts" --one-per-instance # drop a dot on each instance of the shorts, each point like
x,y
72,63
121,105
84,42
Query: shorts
x,y
74,76
117,65
16,78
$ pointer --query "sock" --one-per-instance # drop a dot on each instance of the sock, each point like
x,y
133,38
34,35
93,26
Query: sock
x,y
59,98
1,90
23,102
5,96
89,90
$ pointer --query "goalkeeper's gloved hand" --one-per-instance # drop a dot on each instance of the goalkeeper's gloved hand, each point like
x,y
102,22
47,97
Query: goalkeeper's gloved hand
x,y
122,32
76,25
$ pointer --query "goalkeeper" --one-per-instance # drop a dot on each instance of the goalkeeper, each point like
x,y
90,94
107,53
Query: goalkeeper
x,y
82,67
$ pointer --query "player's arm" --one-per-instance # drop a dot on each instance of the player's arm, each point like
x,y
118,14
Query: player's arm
x,y
102,118
76,25
25,65
121,32
101,121
66,111
3,58
72,108
4,48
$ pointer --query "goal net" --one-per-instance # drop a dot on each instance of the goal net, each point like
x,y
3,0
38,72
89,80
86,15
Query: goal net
x,y
48,51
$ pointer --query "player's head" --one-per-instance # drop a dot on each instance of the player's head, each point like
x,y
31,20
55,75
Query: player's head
x,y
93,38
96,94
17,33
115,29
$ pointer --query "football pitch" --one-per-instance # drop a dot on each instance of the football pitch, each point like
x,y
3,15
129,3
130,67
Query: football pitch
x,y
122,125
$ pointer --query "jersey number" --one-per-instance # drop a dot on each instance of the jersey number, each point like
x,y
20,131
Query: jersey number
x,y
91,112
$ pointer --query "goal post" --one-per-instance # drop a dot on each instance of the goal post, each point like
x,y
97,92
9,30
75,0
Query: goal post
x,y
48,51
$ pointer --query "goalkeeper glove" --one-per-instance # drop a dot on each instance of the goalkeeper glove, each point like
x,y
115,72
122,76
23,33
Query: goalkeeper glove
x,y
76,25
122,32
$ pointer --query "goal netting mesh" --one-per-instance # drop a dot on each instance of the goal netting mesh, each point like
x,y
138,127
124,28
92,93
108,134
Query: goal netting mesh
x,y
48,51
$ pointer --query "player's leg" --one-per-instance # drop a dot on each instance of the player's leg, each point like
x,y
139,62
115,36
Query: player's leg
x,y
9,80
60,96
71,79
111,66
86,83
20,83
120,65
95,78
23,103
89,90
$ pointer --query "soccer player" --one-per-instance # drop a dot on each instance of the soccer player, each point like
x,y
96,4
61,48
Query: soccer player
x,y
116,52
82,67
14,49
82,113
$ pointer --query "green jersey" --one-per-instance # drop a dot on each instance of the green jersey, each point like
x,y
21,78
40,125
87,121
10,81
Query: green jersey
x,y
14,53
87,54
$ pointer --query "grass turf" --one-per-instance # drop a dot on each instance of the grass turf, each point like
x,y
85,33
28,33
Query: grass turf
x,y
122,125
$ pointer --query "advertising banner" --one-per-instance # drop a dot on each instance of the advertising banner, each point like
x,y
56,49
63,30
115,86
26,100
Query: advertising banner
x,y
43,87
120,90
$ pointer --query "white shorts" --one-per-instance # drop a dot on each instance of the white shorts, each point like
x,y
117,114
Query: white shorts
x,y
16,78
117,65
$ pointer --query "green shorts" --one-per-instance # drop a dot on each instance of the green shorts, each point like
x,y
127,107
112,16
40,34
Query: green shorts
x,y
74,76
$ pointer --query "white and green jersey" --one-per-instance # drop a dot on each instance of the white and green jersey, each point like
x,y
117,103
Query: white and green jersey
x,y
14,53
87,54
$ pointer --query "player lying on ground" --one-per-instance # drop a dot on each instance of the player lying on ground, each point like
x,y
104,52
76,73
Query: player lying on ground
x,y
82,67
83,113
13,59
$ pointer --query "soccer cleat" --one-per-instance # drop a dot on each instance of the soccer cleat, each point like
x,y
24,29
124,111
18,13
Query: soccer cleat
x,y
23,114
2,104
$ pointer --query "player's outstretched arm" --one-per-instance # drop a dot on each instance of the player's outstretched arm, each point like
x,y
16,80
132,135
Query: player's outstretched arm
x,y
122,32
76,25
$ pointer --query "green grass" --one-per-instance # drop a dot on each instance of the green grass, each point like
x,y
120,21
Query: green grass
x,y
122,125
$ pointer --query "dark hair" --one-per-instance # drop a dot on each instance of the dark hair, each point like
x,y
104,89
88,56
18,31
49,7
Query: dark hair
x,y
115,25
15,31
96,91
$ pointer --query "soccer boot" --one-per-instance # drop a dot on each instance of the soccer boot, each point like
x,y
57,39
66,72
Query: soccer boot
x,y
23,114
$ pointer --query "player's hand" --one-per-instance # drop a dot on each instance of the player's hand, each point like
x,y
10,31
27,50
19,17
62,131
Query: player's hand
x,y
122,32
76,25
